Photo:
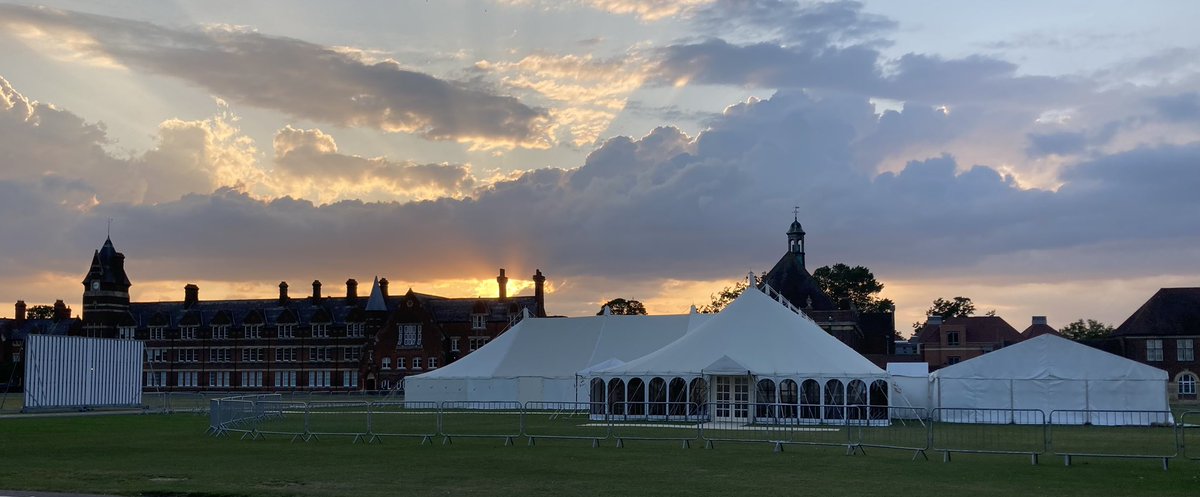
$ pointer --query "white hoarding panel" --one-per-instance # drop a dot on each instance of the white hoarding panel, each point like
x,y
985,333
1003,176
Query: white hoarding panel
x,y
79,372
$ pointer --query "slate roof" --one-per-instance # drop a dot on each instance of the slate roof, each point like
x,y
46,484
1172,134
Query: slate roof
x,y
11,330
305,311
979,329
1037,330
1170,312
793,281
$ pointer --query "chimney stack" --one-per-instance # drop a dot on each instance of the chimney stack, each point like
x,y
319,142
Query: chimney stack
x,y
1039,320
383,283
539,292
20,314
316,296
283,296
351,289
191,295
934,321
502,281
61,311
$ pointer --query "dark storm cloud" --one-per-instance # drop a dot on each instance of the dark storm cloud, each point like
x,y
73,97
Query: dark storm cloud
x,y
300,78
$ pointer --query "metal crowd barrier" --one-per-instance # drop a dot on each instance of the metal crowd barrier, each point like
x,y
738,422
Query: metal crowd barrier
x,y
238,414
1189,434
501,419
782,424
988,431
903,428
566,421
1113,433
403,419
651,421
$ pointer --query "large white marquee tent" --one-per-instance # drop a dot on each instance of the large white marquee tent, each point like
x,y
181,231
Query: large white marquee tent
x,y
758,358
1050,373
539,359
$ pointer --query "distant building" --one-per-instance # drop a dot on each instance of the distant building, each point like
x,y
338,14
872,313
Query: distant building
x,y
1163,333
316,341
1038,328
871,334
951,341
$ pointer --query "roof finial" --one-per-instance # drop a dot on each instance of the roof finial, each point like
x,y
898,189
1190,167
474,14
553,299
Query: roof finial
x,y
108,233
796,213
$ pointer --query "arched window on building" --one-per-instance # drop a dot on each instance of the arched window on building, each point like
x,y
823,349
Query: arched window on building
x,y
764,399
1186,382
678,395
616,396
658,397
810,399
835,398
637,397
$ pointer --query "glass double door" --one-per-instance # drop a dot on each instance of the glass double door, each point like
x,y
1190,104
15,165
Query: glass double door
x,y
733,398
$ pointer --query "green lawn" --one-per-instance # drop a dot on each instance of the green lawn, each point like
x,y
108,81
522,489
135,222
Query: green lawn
x,y
170,455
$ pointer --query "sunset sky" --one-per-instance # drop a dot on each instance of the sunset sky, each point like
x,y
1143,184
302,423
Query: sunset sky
x,y
1042,158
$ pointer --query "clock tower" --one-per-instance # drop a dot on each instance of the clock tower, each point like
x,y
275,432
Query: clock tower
x,y
106,291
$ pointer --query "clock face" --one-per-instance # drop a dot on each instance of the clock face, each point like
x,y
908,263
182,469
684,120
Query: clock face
x,y
95,285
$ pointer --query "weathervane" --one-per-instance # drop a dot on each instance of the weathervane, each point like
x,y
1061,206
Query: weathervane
x,y
796,212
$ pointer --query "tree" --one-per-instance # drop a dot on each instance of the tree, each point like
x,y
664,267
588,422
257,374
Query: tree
x,y
1086,330
856,284
624,307
723,298
39,312
953,308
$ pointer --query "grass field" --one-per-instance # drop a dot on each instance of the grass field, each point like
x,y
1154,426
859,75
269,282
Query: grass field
x,y
170,455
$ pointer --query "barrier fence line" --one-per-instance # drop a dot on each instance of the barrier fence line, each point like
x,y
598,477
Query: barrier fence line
x,y
1113,433
1067,433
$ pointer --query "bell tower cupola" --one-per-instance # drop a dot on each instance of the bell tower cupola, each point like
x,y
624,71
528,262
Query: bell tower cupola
x,y
106,288
795,236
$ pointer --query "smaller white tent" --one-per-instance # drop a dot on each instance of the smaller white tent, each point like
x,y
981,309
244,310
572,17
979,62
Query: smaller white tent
x,y
1050,373
538,358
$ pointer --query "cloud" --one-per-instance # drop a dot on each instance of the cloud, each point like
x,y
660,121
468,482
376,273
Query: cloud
x,y
645,10
589,93
302,79
710,206
1182,107
308,161
813,24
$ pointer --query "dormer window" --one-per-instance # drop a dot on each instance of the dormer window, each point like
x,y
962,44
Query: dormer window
x,y
220,332
410,335
355,330
187,332
952,338
287,330
253,330
320,330
478,321
125,333
158,332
